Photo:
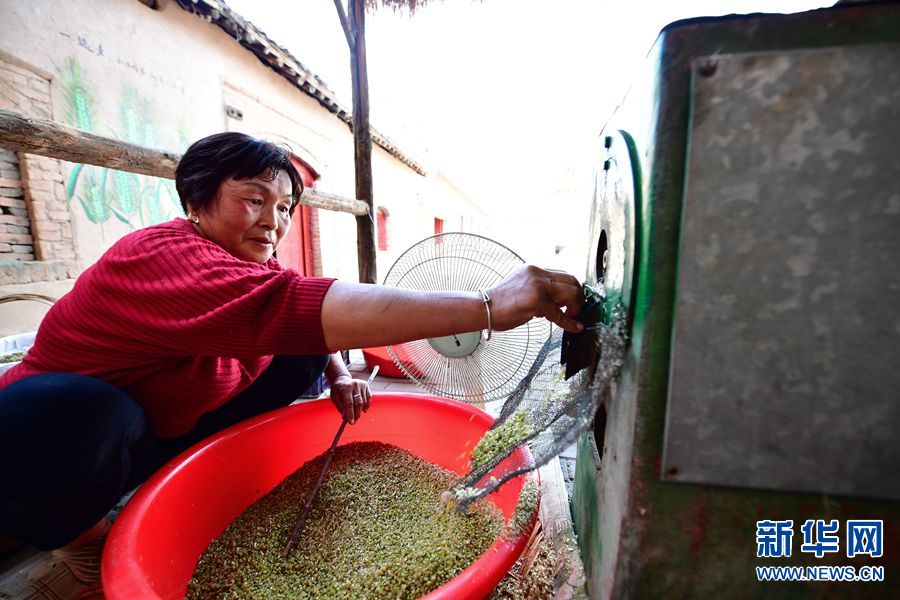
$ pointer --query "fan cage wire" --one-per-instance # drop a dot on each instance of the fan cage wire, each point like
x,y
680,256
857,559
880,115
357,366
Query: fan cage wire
x,y
456,261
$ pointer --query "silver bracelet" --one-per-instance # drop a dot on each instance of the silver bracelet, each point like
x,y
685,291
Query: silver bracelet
x,y
487,307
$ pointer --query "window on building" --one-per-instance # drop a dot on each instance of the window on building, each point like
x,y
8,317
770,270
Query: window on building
x,y
381,224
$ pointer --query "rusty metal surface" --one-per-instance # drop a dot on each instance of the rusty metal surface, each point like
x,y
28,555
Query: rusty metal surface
x,y
785,371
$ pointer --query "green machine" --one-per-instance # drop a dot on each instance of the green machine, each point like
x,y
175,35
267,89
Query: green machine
x,y
747,216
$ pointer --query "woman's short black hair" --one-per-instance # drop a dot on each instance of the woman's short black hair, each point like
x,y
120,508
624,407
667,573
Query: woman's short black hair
x,y
213,159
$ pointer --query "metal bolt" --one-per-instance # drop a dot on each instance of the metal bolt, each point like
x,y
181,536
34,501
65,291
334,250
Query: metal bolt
x,y
607,164
607,142
707,67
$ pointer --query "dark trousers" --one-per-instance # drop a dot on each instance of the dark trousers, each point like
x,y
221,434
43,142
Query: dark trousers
x,y
72,445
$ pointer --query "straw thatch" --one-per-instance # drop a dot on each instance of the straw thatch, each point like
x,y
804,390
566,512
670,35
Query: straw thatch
x,y
398,5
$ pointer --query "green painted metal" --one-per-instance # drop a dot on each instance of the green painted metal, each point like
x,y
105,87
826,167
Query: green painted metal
x,y
642,537
585,503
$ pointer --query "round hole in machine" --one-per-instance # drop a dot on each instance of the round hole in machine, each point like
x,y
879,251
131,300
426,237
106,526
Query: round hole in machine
x,y
602,256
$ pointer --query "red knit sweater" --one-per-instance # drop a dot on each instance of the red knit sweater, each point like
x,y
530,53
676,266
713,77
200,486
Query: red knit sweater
x,y
178,323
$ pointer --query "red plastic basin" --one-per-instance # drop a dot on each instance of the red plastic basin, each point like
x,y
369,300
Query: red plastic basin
x,y
155,543
382,358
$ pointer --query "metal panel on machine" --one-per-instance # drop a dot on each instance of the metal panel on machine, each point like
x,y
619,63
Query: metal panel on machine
x,y
785,369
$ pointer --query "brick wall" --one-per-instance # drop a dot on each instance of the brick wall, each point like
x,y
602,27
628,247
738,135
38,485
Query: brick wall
x,y
16,242
51,219
36,238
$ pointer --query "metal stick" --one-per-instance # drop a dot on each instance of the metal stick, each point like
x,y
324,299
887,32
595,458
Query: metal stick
x,y
292,540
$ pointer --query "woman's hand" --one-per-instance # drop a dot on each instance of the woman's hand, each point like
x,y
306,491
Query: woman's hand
x,y
533,292
352,397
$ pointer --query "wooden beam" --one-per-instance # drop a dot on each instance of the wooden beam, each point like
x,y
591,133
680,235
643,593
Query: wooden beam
x,y
318,199
48,138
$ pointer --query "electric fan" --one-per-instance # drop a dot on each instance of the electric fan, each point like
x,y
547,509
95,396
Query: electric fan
x,y
465,366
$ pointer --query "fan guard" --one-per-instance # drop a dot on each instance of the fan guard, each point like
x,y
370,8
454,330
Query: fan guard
x,y
464,366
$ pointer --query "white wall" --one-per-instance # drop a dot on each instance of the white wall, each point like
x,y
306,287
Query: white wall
x,y
163,79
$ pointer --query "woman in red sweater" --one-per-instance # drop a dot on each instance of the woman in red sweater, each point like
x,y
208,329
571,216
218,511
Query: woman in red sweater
x,y
184,328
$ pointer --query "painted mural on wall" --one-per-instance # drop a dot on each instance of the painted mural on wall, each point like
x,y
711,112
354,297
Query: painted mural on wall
x,y
136,200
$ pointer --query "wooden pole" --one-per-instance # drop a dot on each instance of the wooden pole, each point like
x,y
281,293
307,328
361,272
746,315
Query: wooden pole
x,y
354,24
298,525
48,138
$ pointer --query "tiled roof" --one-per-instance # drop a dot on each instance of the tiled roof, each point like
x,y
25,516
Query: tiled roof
x,y
286,65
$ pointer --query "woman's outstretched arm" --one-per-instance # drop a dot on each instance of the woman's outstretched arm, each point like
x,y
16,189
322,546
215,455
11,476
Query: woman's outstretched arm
x,y
358,315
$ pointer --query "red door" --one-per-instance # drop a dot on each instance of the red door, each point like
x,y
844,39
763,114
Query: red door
x,y
296,250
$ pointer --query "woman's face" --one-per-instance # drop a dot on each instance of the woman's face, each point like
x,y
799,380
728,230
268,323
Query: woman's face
x,y
248,217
